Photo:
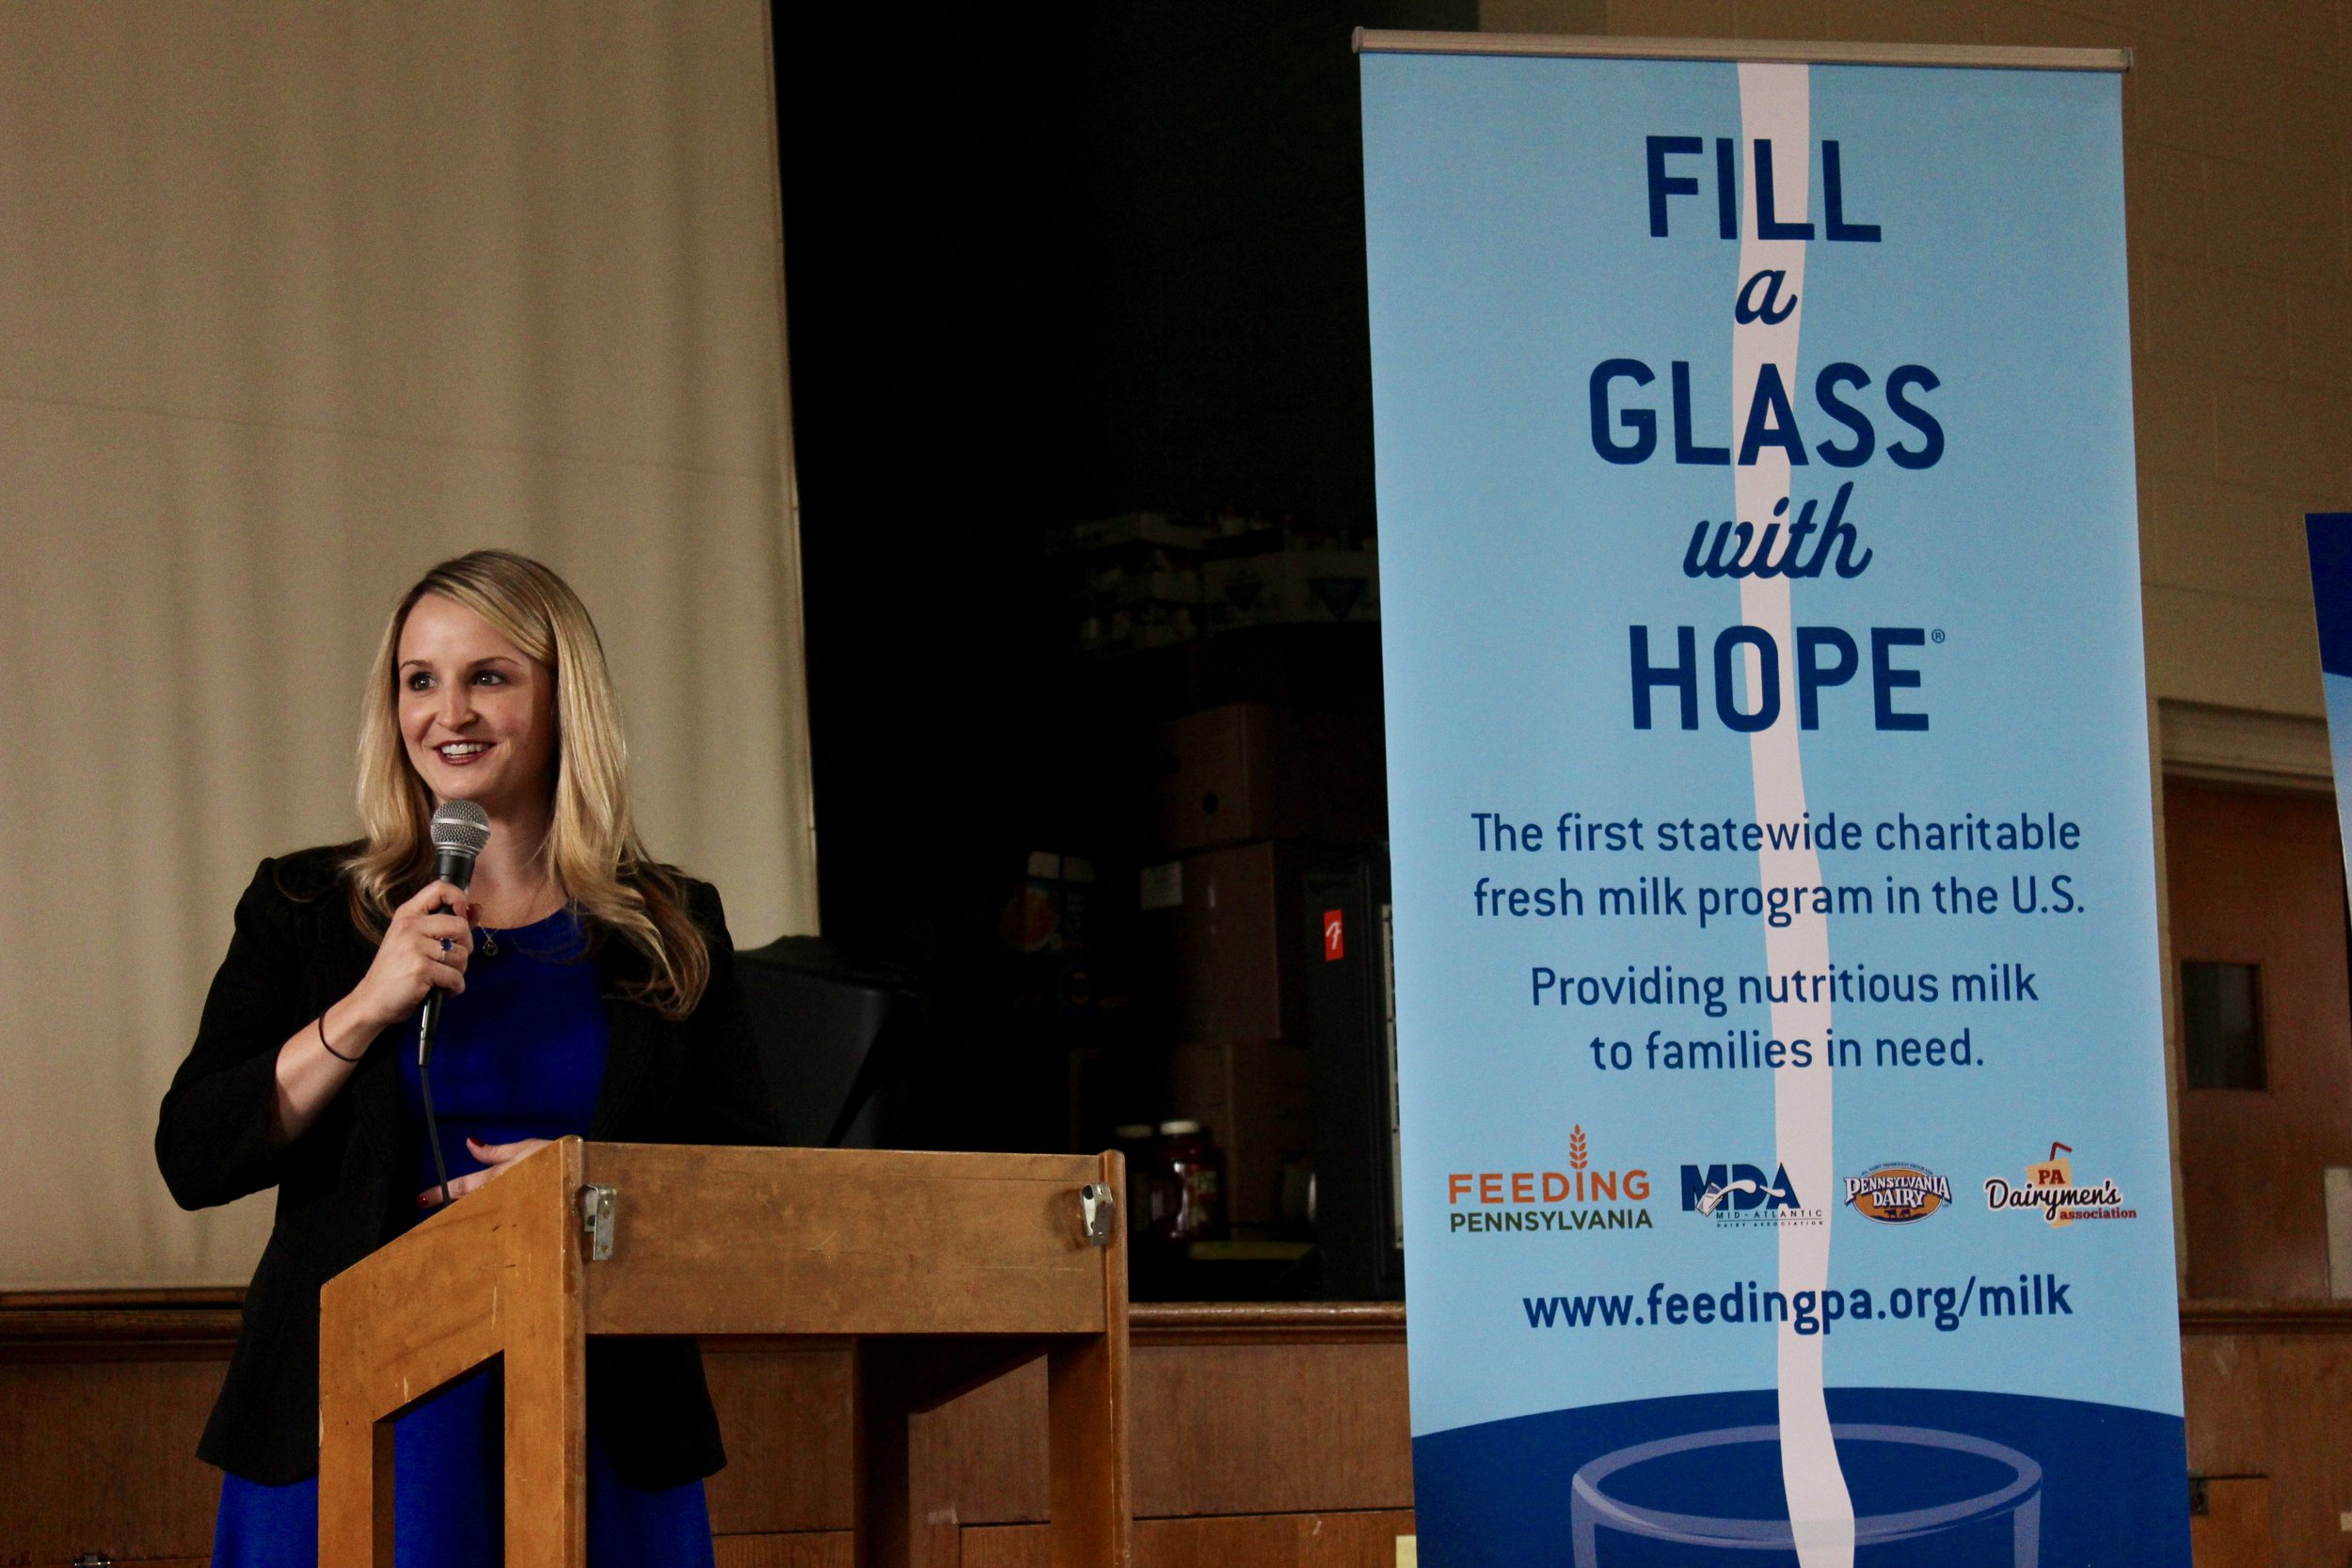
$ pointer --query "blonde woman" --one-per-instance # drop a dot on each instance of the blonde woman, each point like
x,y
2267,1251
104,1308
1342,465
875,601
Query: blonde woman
x,y
590,990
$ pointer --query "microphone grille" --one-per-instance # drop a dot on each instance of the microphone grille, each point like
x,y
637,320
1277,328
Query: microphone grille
x,y
461,825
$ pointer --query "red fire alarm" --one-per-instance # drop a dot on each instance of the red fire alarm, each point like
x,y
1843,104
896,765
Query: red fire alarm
x,y
1334,937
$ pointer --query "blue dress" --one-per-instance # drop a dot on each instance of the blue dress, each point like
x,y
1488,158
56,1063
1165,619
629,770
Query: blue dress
x,y
520,1055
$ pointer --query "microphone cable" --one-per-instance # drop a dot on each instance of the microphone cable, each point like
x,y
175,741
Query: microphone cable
x,y
424,1090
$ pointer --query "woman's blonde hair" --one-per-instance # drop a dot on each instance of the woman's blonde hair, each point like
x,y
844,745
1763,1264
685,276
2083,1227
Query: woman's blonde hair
x,y
592,848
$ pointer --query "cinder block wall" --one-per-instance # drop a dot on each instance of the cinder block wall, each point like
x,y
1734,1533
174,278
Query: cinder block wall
x,y
2238,164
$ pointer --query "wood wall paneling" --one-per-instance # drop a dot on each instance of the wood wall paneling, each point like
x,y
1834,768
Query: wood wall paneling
x,y
99,1455
2235,1530
1263,1541
1220,1420
1271,1429
802,1550
786,1415
981,1458
1365,1540
2257,878
1266,1438
2276,1405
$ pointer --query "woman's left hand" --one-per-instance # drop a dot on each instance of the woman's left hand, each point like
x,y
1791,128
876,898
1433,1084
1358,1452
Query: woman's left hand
x,y
495,1158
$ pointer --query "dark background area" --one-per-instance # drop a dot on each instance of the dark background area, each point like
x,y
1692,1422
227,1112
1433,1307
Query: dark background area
x,y
1048,263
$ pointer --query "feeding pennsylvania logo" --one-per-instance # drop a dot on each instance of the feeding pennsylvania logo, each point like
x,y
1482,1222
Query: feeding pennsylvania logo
x,y
1577,1198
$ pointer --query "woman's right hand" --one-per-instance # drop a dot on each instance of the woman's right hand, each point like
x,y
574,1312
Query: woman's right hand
x,y
421,950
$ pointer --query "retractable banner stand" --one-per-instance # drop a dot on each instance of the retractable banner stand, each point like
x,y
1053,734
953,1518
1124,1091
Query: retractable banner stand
x,y
1784,1150
2329,536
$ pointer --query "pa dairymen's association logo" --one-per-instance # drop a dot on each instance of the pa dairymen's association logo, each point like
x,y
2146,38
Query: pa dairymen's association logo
x,y
1736,1196
1898,1194
2051,1188
1582,1197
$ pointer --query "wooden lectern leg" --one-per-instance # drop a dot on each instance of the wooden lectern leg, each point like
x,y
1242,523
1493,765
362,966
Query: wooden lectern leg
x,y
499,1276
545,1368
547,1453
354,1487
1086,1405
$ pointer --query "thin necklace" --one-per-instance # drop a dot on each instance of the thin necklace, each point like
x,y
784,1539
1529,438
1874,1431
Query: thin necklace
x,y
488,941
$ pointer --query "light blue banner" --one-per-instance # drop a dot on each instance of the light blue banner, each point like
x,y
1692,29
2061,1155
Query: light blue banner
x,y
2329,536
1787,1176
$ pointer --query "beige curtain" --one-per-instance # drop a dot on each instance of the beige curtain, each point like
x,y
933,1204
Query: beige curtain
x,y
295,300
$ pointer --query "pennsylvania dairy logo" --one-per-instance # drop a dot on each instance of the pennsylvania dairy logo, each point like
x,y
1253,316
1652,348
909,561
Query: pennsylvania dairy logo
x,y
1898,1194
1742,1197
2051,1188
1582,1197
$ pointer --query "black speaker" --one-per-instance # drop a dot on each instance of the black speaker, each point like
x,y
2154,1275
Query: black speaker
x,y
1352,1021
839,1042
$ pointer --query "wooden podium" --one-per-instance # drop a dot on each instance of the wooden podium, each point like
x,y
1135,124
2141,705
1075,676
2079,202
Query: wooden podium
x,y
946,1270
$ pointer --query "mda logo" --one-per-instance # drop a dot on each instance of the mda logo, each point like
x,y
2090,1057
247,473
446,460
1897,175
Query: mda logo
x,y
1743,1195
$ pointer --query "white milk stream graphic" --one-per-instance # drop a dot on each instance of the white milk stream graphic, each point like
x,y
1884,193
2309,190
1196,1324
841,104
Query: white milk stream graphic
x,y
1775,107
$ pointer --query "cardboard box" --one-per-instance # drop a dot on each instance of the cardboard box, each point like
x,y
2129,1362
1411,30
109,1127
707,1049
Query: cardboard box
x,y
1248,771
1148,584
1123,629
1291,588
1135,528
1256,1097
1236,946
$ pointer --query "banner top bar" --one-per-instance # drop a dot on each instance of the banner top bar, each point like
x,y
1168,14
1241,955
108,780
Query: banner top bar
x,y
1382,41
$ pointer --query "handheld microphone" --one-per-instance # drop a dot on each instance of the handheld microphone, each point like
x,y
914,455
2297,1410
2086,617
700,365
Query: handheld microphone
x,y
460,829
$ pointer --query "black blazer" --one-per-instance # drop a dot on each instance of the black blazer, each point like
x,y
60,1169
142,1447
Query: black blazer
x,y
348,1183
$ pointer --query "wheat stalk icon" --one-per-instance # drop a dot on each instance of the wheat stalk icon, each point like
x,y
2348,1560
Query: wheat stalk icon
x,y
1576,1149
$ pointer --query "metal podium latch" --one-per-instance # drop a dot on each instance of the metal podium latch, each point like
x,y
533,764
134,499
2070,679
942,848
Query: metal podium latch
x,y
595,1221
1100,1211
